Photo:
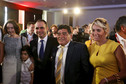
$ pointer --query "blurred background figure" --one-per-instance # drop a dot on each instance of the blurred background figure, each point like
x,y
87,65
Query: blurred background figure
x,y
91,40
53,30
29,33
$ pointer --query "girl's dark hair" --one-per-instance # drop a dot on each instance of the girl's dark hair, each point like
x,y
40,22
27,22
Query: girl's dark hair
x,y
27,49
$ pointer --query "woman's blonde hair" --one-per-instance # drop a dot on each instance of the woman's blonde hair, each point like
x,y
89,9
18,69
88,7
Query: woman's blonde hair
x,y
101,22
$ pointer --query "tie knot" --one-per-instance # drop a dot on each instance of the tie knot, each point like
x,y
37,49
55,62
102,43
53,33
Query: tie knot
x,y
61,46
41,41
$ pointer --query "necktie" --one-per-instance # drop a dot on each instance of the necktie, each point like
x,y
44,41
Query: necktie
x,y
59,64
41,52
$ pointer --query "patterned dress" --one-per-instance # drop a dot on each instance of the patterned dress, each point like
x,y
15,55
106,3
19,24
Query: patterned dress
x,y
12,62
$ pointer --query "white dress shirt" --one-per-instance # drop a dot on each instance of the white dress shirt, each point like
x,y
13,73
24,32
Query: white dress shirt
x,y
122,42
30,37
44,42
63,61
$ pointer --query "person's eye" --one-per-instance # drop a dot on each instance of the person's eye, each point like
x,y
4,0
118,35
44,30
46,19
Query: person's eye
x,y
58,34
41,27
98,30
64,33
37,28
93,30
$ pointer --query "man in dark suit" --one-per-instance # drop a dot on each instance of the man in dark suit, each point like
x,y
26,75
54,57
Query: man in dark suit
x,y
75,60
42,58
29,34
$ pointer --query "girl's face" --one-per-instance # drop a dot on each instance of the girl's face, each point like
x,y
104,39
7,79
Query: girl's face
x,y
24,55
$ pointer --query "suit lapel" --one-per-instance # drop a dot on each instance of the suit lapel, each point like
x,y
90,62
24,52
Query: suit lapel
x,y
47,49
69,55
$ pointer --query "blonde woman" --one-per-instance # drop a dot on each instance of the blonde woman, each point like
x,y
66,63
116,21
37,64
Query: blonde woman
x,y
106,56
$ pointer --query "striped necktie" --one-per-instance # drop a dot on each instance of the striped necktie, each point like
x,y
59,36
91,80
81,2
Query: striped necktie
x,y
59,64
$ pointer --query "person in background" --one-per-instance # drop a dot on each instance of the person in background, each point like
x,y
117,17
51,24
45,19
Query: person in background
x,y
120,33
26,74
29,34
13,43
54,30
106,56
1,33
70,59
91,41
41,50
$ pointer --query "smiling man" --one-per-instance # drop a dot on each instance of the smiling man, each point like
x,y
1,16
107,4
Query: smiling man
x,y
72,65
41,49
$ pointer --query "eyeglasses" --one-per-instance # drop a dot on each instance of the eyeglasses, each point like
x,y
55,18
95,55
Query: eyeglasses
x,y
101,21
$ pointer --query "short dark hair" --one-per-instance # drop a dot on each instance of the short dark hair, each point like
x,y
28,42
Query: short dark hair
x,y
16,26
27,49
120,22
65,27
29,23
41,20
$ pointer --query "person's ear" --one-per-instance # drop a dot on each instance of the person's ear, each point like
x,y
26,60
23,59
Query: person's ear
x,y
123,28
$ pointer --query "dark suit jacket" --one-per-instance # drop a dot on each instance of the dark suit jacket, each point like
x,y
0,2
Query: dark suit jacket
x,y
25,35
76,66
42,72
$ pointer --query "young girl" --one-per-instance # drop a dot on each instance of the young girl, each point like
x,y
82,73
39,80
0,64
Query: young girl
x,y
26,74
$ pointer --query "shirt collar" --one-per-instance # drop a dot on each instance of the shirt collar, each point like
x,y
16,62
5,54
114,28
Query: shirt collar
x,y
27,61
29,34
65,45
44,39
120,38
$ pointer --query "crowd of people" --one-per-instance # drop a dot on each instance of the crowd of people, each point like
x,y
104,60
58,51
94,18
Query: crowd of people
x,y
62,54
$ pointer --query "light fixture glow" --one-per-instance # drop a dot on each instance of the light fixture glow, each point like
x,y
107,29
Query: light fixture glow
x,y
65,11
76,10
5,16
21,19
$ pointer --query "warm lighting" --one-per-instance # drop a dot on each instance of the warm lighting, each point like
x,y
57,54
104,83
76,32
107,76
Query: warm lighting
x,y
5,16
77,10
21,18
65,11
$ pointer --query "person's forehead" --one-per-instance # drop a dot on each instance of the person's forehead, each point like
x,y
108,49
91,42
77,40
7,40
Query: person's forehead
x,y
40,24
9,24
62,30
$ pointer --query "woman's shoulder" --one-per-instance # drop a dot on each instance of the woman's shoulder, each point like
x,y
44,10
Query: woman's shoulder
x,y
111,42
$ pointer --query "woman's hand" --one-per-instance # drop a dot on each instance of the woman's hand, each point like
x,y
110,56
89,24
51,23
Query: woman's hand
x,y
103,81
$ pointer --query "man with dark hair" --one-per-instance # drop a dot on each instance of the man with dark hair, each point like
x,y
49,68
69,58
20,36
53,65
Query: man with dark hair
x,y
29,34
120,35
41,48
70,59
